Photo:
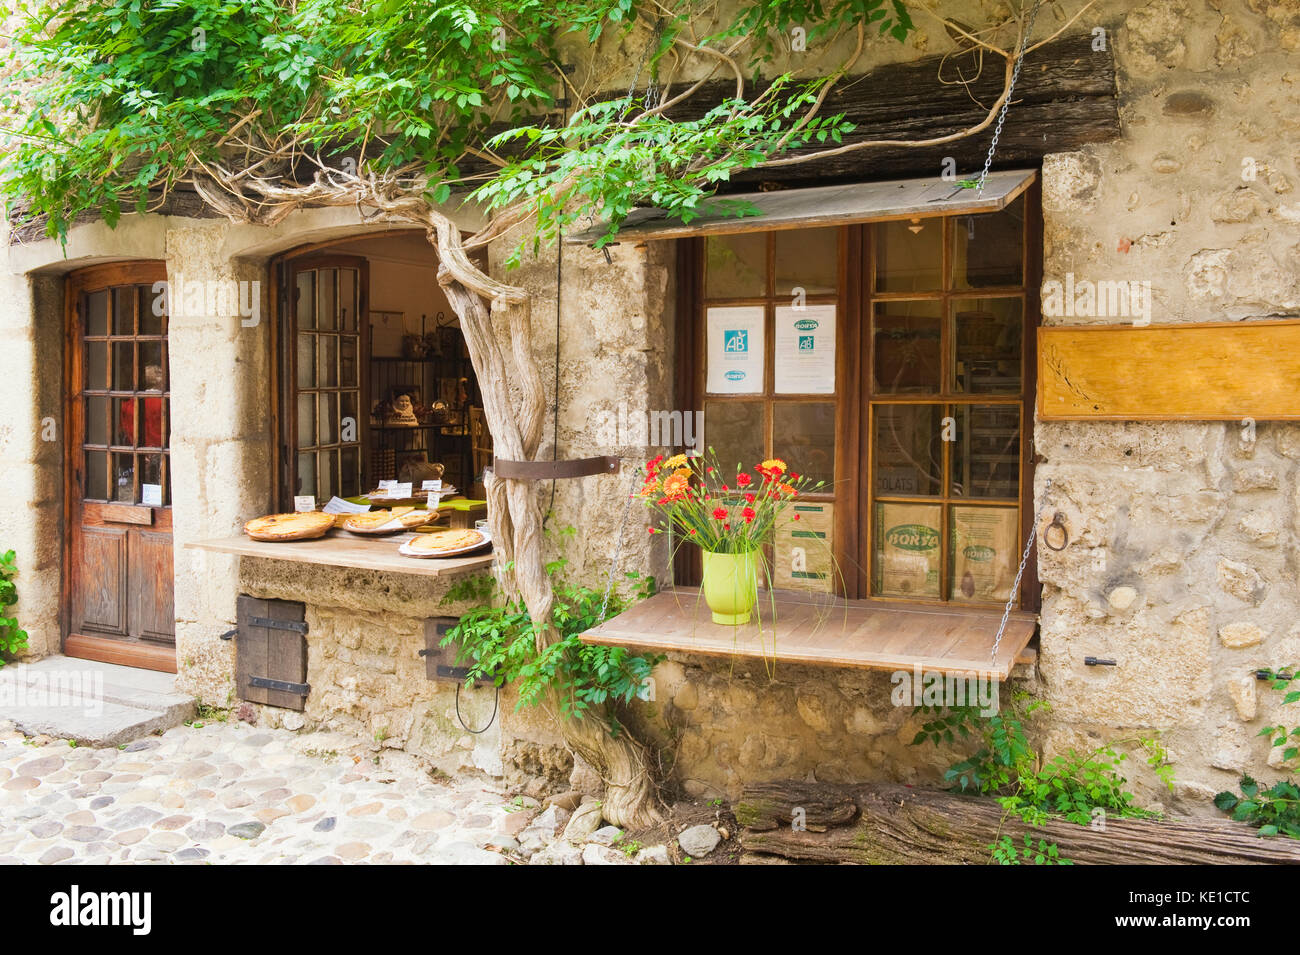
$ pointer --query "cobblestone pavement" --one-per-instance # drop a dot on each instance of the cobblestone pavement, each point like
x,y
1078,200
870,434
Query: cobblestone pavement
x,y
232,793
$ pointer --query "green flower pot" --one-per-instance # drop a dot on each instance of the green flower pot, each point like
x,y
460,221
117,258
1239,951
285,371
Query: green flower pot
x,y
731,586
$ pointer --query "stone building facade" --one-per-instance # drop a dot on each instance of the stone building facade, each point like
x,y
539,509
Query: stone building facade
x,y
1183,535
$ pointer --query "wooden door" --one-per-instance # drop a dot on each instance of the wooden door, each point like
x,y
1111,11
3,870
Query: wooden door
x,y
118,585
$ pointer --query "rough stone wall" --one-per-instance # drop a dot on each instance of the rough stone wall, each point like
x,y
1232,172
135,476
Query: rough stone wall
x,y
365,633
1183,553
31,449
615,355
221,449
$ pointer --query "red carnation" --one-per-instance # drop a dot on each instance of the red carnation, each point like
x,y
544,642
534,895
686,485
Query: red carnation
x,y
748,514
743,480
720,513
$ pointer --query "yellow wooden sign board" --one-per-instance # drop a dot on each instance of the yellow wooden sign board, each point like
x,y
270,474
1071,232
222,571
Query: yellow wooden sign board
x,y
1197,371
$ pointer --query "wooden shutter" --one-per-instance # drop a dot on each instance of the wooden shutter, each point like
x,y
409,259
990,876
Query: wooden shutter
x,y
271,652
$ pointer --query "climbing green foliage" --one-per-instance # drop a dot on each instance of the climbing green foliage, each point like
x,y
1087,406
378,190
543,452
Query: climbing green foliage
x,y
13,638
111,106
1274,810
498,641
1077,787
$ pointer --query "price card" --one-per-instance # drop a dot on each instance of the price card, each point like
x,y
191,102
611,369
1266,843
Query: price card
x,y
304,502
385,485
401,490
151,495
435,493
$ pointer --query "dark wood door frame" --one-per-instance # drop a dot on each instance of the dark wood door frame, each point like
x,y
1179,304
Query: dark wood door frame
x,y
108,649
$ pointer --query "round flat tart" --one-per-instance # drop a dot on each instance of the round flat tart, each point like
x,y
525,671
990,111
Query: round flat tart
x,y
289,527
417,518
444,543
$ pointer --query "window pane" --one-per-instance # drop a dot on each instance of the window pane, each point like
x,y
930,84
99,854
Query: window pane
x,y
983,552
307,473
349,421
906,347
347,361
734,429
152,409
305,294
96,365
150,323
327,419
906,562
348,299
907,454
97,313
350,485
907,260
124,300
124,421
327,477
327,361
306,419
123,366
124,476
808,259
737,266
803,435
96,488
987,338
96,420
986,454
152,368
327,312
151,472
988,249
306,361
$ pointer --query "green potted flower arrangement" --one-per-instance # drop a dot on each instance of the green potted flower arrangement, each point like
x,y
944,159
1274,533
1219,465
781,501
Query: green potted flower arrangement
x,y
728,514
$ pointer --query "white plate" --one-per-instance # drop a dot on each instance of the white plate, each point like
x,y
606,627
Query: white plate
x,y
406,549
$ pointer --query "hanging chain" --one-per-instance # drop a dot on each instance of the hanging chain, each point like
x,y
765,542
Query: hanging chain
x,y
1020,571
1002,114
651,85
618,547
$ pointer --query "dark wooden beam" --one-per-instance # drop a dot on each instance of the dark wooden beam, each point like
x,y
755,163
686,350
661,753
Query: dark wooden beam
x,y
1065,98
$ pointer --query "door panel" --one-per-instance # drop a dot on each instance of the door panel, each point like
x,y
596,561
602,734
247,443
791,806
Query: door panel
x,y
118,592
102,571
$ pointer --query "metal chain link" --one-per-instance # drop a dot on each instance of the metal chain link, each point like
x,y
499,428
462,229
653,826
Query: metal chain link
x,y
1020,571
1002,114
618,547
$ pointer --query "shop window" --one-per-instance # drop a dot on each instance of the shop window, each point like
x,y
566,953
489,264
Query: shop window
x,y
889,360
376,383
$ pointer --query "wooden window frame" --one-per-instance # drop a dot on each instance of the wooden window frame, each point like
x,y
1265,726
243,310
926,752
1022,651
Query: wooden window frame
x,y
854,397
286,363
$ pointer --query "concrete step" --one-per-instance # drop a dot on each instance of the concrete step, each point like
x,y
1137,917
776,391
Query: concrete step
x,y
96,704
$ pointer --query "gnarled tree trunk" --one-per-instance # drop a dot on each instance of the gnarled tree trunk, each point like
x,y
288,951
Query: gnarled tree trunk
x,y
517,531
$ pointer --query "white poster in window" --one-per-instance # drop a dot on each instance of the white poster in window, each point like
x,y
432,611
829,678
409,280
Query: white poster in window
x,y
735,350
805,350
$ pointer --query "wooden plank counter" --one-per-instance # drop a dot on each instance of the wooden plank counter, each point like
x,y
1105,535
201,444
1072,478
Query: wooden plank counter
x,y
815,629
367,554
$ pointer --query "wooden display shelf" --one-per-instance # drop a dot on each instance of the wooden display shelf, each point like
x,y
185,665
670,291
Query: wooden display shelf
x,y
377,554
816,629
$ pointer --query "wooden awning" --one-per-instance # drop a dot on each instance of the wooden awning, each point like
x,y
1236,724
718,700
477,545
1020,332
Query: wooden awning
x,y
827,206
817,629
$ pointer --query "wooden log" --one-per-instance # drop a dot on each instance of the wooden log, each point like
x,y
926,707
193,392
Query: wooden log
x,y
901,825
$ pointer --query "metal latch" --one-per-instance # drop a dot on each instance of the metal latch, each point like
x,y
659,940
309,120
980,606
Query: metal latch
x,y
297,626
297,689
